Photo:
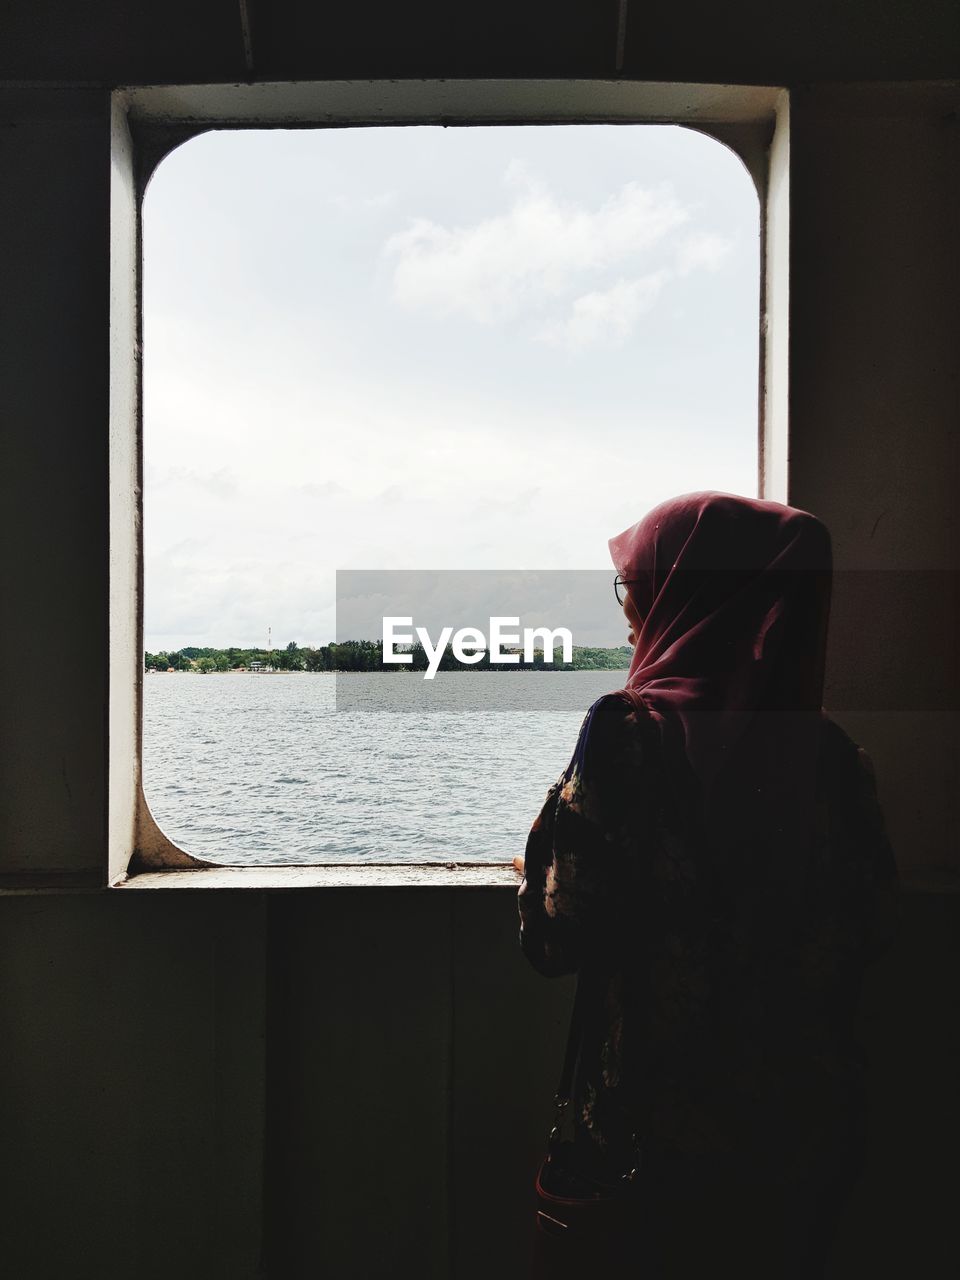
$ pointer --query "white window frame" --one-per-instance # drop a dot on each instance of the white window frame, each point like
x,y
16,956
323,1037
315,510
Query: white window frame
x,y
149,122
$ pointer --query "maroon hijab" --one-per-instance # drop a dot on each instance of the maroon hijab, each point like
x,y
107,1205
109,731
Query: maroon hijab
x,y
734,594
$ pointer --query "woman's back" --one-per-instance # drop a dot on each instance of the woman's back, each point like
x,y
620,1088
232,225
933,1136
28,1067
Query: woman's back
x,y
719,980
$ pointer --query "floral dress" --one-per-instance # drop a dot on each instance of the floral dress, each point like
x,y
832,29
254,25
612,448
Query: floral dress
x,y
718,997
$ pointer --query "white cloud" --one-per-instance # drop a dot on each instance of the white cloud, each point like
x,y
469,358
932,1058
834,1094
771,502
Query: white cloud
x,y
221,483
537,251
606,315
282,420
352,203
702,249
321,489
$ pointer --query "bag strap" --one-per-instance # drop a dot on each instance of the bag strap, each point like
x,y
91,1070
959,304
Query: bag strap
x,y
565,1083
564,1092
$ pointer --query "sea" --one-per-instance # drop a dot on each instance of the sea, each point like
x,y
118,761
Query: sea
x,y
306,768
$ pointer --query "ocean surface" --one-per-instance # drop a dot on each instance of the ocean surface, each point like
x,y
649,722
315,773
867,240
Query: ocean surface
x,y
264,769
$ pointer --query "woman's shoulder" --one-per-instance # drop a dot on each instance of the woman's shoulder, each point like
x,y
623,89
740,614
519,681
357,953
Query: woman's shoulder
x,y
851,792
615,738
618,717
850,786
834,735
620,706
842,758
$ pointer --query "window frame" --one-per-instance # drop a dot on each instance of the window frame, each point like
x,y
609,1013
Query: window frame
x,y
147,123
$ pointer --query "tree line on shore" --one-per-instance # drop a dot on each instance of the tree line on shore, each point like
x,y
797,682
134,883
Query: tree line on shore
x,y
366,655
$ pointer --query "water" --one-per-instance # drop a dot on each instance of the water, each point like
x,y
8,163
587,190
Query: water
x,y
262,769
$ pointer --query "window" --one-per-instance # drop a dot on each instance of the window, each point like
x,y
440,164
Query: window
x,y
286,436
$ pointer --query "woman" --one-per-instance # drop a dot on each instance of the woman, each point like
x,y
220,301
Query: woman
x,y
713,864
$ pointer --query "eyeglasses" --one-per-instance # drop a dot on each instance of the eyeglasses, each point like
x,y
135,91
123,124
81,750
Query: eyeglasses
x,y
619,588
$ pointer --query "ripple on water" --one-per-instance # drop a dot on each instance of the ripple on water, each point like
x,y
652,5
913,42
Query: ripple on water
x,y
385,784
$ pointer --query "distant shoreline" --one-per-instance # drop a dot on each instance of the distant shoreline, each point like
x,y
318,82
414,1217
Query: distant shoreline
x,y
359,657
458,670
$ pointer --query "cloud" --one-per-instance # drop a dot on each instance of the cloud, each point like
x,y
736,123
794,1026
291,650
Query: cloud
x,y
221,483
702,249
351,203
606,316
537,251
320,489
200,595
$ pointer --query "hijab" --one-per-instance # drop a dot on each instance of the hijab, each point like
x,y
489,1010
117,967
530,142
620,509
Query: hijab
x,y
734,593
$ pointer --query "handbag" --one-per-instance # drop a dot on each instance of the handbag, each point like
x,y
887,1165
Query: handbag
x,y
582,1221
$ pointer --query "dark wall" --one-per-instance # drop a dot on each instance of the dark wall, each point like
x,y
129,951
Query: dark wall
x,y
744,42
357,1085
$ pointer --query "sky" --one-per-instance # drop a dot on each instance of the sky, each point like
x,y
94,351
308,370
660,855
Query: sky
x,y
431,348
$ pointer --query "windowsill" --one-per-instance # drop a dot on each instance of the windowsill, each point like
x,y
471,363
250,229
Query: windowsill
x,y
440,875
399,875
